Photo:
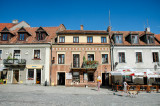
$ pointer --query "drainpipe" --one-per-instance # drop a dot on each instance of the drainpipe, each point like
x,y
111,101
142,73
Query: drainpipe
x,y
112,57
51,61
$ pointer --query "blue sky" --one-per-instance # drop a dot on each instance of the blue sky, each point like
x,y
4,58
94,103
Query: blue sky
x,y
126,15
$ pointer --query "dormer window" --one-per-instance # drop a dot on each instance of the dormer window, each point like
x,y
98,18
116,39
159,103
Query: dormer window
x,y
21,36
119,39
150,39
5,37
134,39
40,36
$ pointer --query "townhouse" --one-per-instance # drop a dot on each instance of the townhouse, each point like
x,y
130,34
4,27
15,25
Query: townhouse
x,y
79,57
137,50
25,54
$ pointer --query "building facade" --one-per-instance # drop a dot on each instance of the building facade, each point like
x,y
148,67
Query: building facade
x,y
79,57
137,50
25,54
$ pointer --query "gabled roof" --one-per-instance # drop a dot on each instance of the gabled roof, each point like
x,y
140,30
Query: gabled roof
x,y
8,25
5,29
126,33
32,39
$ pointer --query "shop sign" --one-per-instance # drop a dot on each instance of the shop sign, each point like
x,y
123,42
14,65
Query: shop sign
x,y
85,76
68,75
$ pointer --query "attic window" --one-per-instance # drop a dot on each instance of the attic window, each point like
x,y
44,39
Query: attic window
x,y
119,39
150,39
5,37
134,39
21,37
40,36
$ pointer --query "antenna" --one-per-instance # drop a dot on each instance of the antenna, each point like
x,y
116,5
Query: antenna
x,y
109,18
147,23
144,26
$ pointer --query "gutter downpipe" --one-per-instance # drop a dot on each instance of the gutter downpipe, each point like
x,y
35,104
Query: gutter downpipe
x,y
51,62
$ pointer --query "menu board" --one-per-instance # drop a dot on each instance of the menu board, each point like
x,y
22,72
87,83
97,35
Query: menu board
x,y
68,75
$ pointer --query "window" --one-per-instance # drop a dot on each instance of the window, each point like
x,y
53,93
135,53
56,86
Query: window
x,y
90,77
36,54
103,40
134,39
121,57
30,73
150,39
61,39
17,54
76,77
75,60
0,54
40,36
104,58
89,39
75,39
3,74
155,57
90,57
5,37
138,57
21,36
119,39
60,58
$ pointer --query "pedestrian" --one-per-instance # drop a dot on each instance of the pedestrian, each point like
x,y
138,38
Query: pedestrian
x,y
99,82
125,86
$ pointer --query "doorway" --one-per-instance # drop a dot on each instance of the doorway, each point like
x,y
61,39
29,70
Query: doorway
x,y
145,80
38,76
61,78
90,77
15,76
105,79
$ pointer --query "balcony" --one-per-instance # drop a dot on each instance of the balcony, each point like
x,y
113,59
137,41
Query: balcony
x,y
90,64
14,61
86,65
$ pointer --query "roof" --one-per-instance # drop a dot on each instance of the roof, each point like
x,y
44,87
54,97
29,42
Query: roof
x,y
51,31
157,37
93,32
8,25
140,33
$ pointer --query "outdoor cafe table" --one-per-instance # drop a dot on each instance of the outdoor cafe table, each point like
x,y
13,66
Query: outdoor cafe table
x,y
147,88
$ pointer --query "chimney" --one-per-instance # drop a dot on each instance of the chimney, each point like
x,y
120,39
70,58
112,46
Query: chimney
x,y
81,27
109,29
15,21
148,29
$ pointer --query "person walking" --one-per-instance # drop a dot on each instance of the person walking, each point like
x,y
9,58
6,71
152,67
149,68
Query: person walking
x,y
125,86
99,82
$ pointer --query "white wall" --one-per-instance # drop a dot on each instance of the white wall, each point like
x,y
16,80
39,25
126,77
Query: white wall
x,y
130,57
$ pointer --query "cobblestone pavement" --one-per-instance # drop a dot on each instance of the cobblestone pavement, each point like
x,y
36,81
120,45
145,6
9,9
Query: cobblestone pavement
x,y
27,95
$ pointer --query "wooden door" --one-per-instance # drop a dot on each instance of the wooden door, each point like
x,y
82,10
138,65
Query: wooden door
x,y
15,76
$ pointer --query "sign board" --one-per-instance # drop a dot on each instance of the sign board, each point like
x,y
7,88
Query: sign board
x,y
85,76
68,75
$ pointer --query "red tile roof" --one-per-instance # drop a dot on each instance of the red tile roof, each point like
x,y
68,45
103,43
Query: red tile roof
x,y
32,39
157,37
65,32
126,33
8,25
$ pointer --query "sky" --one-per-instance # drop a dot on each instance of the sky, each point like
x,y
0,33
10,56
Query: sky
x,y
125,15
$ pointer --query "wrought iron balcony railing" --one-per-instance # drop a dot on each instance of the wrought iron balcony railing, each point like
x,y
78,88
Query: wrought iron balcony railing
x,y
14,61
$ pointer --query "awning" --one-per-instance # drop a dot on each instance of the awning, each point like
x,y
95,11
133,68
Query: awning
x,y
2,68
34,66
